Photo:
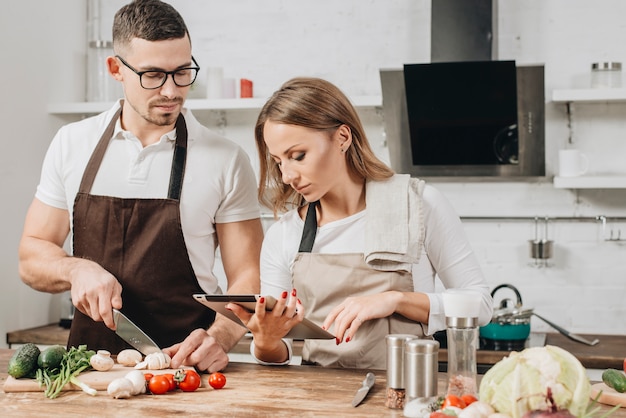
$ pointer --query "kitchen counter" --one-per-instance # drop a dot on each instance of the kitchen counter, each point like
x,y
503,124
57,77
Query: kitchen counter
x,y
608,353
251,390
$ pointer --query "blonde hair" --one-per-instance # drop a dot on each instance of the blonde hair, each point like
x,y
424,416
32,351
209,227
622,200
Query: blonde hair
x,y
315,104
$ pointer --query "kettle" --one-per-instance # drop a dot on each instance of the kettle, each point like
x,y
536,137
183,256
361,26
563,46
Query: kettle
x,y
510,322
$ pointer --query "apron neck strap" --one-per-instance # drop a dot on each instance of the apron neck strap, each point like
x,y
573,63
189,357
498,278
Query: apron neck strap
x,y
178,162
180,156
310,229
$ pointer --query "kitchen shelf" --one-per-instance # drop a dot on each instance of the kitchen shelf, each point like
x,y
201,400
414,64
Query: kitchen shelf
x,y
591,182
589,95
83,108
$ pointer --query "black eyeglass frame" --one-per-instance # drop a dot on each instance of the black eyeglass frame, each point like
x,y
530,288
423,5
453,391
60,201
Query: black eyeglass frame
x,y
170,73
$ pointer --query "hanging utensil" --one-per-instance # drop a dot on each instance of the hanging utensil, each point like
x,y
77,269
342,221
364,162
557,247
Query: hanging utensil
x,y
541,247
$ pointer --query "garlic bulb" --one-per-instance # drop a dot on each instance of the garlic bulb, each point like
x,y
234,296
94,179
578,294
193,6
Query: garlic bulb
x,y
120,388
138,380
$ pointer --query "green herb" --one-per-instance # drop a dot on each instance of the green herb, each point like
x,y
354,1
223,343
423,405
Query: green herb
x,y
75,361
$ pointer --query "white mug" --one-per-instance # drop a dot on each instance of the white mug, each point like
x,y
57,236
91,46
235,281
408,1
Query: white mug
x,y
215,77
572,163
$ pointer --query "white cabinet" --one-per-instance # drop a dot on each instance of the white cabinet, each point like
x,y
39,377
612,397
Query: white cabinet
x,y
567,96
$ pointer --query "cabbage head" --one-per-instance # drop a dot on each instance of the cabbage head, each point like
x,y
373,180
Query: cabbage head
x,y
518,383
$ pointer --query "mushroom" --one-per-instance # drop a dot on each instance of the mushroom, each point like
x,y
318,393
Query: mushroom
x,y
129,357
120,388
102,361
155,361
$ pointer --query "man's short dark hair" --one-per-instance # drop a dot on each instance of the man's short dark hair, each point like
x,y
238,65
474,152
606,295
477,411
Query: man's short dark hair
x,y
152,20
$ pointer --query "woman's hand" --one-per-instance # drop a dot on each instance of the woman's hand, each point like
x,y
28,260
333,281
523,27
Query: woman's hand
x,y
353,311
269,326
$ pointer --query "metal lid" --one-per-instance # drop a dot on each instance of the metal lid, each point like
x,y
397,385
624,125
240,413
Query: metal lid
x,y
397,340
606,66
454,322
419,346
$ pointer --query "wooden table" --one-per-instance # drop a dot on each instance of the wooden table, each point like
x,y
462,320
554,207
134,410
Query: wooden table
x,y
251,390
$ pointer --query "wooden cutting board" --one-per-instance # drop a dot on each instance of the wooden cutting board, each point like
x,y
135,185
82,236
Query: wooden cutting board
x,y
609,396
95,379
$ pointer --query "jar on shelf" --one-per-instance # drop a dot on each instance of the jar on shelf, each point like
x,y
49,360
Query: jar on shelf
x,y
606,75
101,87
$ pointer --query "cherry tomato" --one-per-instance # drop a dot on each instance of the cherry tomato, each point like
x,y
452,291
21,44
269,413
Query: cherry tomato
x,y
170,378
148,376
188,380
159,385
468,399
438,414
453,400
217,380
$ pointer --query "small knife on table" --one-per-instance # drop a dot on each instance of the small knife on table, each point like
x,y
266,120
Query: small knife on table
x,y
133,335
368,382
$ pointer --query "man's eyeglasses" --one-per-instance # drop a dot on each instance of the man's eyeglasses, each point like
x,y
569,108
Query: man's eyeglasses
x,y
153,79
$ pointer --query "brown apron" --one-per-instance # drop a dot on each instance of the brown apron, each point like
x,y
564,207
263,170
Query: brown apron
x,y
140,242
323,281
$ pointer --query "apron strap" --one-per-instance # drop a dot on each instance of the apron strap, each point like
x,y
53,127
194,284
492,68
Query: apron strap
x,y
310,229
96,157
178,163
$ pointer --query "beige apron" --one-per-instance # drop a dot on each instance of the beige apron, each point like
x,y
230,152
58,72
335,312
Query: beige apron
x,y
324,280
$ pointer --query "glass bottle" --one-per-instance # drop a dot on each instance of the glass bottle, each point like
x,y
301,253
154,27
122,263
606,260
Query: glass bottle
x,y
462,345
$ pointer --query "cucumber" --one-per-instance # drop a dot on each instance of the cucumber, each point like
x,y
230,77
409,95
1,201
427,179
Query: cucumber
x,y
50,358
23,363
614,379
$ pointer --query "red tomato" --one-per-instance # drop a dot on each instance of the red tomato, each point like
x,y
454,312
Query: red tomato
x,y
159,385
453,400
148,376
217,380
438,414
188,380
468,399
170,378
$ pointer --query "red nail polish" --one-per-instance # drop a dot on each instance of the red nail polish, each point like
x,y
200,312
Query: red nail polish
x,y
262,299
293,292
348,339
299,302
284,295
337,341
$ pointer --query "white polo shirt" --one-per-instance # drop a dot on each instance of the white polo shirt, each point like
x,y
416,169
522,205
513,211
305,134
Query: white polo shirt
x,y
219,185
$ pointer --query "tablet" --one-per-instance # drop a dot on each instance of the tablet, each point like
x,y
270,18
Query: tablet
x,y
305,330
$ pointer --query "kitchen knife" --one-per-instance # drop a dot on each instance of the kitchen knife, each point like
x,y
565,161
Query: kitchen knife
x,y
133,335
368,382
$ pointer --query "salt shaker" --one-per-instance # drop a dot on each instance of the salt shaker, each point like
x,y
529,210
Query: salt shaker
x,y
395,369
421,366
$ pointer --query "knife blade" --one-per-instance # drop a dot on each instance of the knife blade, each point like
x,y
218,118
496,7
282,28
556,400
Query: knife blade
x,y
133,335
361,393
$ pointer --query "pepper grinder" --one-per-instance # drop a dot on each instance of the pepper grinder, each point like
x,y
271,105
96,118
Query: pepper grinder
x,y
461,309
395,370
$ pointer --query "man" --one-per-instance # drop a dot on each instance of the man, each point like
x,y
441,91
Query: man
x,y
147,194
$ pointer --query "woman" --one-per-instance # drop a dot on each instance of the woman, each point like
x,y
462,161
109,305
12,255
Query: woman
x,y
358,248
